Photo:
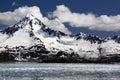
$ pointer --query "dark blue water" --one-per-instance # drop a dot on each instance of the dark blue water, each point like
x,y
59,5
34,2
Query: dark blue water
x,y
52,71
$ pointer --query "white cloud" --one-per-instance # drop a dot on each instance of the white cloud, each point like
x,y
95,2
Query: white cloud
x,y
10,18
14,3
91,21
56,25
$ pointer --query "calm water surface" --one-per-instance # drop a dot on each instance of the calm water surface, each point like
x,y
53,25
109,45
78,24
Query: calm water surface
x,y
54,71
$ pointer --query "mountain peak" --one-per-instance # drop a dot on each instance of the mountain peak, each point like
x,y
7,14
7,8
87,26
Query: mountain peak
x,y
27,22
29,15
32,17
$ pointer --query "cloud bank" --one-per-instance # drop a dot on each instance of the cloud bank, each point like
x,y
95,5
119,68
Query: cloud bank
x,y
90,21
61,15
9,18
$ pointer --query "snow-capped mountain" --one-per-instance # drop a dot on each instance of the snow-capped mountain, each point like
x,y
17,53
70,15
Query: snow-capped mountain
x,y
33,35
21,34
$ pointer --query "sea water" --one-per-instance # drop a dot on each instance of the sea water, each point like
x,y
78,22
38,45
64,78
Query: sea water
x,y
58,71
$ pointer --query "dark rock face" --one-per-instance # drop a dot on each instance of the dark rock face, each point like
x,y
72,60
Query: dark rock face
x,y
38,53
91,38
6,57
116,38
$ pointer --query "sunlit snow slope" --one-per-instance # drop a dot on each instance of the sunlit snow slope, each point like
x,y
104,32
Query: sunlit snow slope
x,y
30,31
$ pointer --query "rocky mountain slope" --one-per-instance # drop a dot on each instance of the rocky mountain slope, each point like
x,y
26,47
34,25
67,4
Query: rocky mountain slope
x,y
32,40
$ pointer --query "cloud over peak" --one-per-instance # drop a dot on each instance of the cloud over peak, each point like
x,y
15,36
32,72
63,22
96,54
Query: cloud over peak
x,y
10,18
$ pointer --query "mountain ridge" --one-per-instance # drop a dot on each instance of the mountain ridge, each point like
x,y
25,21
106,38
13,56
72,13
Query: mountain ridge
x,y
31,32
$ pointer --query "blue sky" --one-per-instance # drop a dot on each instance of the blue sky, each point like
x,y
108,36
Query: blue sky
x,y
97,7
